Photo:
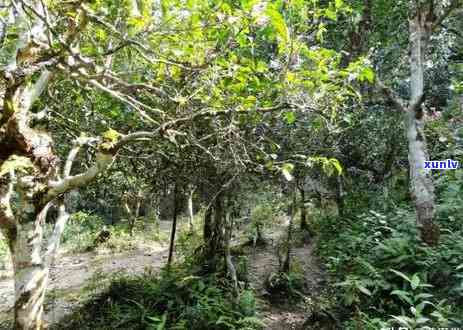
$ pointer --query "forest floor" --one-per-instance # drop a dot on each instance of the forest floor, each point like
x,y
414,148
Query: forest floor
x,y
72,274
264,261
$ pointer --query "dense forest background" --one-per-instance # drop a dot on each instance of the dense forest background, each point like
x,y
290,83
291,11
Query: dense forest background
x,y
234,164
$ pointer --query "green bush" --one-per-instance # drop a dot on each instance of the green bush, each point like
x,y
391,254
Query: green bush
x,y
384,271
189,243
83,228
173,300
283,286
80,231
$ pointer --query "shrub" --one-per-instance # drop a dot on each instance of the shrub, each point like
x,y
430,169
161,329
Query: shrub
x,y
80,231
83,228
387,274
283,286
174,300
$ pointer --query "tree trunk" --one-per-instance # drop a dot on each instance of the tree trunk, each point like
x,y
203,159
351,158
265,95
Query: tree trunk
x,y
422,186
228,258
287,263
30,275
174,227
214,241
190,209
340,195
32,265
30,286
304,223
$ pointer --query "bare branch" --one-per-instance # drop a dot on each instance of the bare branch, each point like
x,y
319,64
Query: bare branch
x,y
126,100
34,92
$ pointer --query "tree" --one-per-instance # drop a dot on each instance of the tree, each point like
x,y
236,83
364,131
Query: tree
x,y
44,44
425,17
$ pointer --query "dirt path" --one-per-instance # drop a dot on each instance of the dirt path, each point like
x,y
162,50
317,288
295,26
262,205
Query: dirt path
x,y
71,273
265,261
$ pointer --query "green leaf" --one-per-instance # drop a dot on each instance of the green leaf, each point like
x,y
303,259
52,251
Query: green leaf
x,y
403,295
405,277
423,295
286,169
111,135
364,290
415,282
331,14
15,163
406,321
279,25
367,74
290,117
337,165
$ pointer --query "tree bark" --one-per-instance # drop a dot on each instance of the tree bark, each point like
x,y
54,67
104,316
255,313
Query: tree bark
x,y
422,186
174,227
287,263
215,238
304,223
228,258
30,274
190,208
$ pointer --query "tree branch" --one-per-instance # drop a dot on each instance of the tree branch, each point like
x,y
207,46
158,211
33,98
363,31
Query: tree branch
x,y
398,102
102,162
78,143
54,240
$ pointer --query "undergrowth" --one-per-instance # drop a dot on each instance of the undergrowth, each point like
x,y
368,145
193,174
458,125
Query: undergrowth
x,y
174,299
386,276
83,229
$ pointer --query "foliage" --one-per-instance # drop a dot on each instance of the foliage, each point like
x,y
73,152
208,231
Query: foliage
x,y
189,242
262,216
82,230
284,286
173,300
384,271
